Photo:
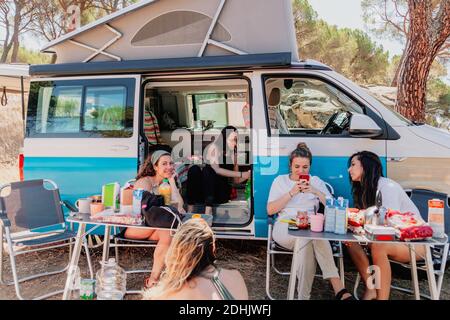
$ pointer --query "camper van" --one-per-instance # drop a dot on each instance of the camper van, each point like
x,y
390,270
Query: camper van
x,y
198,66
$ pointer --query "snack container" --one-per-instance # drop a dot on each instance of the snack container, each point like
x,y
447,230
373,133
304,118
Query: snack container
x,y
87,289
379,233
110,195
436,217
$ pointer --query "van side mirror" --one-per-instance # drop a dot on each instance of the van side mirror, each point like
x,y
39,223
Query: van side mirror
x,y
362,126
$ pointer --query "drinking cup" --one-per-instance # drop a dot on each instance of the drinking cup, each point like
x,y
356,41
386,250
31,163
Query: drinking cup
x,y
84,205
317,221
96,207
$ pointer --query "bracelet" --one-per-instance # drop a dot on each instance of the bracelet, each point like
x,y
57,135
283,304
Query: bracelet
x,y
290,195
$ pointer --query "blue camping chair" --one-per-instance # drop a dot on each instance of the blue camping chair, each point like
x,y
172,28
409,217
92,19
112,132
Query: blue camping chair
x,y
32,220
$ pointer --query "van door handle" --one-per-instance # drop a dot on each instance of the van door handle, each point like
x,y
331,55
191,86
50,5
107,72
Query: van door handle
x,y
397,159
119,148
274,148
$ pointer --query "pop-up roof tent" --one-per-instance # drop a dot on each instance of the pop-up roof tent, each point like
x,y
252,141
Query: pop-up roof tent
x,y
247,30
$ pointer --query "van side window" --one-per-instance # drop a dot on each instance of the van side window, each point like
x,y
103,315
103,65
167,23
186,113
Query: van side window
x,y
308,106
105,108
80,109
58,109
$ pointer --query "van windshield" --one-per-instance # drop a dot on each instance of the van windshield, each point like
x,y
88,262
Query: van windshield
x,y
390,108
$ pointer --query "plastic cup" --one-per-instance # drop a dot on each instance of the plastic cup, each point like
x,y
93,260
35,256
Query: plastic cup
x,y
96,208
317,221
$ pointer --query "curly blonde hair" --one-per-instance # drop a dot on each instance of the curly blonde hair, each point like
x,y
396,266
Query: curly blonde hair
x,y
190,252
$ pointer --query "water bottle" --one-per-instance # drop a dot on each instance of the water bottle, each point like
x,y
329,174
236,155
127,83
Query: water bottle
x,y
74,286
330,215
111,281
248,192
341,216
166,191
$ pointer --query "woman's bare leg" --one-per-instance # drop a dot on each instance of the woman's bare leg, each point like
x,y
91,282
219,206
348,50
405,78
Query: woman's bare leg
x,y
164,238
359,258
381,254
138,234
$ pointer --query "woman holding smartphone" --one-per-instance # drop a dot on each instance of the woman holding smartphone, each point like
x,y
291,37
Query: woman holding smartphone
x,y
288,194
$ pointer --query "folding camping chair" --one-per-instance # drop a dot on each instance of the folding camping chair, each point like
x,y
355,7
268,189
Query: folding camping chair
x,y
274,249
32,220
439,253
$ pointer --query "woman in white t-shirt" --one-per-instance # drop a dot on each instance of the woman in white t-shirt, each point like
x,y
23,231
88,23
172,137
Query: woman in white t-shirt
x,y
366,176
289,194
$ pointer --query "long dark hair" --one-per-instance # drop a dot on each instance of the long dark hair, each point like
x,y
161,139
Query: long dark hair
x,y
364,191
224,134
147,169
302,151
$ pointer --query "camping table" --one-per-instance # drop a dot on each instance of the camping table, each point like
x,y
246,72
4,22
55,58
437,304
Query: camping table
x,y
83,220
350,237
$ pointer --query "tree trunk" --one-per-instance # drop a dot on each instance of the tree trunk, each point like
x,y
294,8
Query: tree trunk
x,y
426,36
15,48
6,46
396,78
411,96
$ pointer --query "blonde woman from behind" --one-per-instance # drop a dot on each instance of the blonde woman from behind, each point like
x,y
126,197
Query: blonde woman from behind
x,y
191,273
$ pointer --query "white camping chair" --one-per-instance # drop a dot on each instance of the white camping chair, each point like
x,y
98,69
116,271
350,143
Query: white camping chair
x,y
439,253
273,249
27,208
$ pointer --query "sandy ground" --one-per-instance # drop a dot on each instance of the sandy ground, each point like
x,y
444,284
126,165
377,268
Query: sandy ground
x,y
246,256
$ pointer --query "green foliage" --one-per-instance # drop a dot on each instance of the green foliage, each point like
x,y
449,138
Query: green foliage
x,y
113,116
33,57
67,108
437,90
29,56
350,52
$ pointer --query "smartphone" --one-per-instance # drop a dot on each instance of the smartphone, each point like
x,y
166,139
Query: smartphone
x,y
304,177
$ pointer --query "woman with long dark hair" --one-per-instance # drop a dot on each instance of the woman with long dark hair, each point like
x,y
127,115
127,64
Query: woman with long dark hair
x,y
191,272
158,166
211,185
366,177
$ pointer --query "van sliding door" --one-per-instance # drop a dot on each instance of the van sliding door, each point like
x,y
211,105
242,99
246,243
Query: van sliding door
x,y
82,133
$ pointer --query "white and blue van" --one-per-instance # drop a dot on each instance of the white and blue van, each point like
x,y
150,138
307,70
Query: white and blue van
x,y
203,60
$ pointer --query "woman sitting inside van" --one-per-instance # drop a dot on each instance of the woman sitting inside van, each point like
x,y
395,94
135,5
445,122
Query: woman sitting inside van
x,y
156,168
211,185
289,194
366,177
190,272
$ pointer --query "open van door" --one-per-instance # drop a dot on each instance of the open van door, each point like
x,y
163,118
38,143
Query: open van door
x,y
82,132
